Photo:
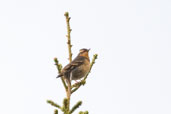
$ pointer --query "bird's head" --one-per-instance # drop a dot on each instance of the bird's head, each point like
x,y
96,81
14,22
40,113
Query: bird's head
x,y
84,52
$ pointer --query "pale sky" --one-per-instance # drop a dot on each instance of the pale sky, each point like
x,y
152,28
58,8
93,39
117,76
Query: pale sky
x,y
132,74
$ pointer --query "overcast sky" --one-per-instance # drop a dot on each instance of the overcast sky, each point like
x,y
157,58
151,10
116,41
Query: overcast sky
x,y
132,74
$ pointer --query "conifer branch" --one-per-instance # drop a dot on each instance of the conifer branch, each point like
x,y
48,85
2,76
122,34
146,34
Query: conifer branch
x,y
70,55
68,35
68,93
59,67
54,104
65,104
75,107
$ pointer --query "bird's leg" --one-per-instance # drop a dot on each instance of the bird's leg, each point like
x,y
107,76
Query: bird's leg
x,y
78,82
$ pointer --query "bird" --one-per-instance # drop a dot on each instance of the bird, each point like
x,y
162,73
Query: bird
x,y
78,68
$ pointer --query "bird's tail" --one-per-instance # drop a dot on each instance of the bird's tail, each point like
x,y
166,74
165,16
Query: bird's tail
x,y
60,75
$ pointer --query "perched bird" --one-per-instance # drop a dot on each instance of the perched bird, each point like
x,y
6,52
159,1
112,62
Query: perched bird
x,y
78,68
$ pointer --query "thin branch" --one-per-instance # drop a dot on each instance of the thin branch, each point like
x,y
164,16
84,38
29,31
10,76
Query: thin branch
x,y
84,80
54,104
68,35
68,93
75,107
70,56
59,67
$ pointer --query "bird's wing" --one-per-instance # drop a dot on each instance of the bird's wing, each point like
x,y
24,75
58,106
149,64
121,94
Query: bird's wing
x,y
75,63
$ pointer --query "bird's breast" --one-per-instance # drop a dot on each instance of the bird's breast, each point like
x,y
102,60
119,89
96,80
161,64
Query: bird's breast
x,y
81,71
